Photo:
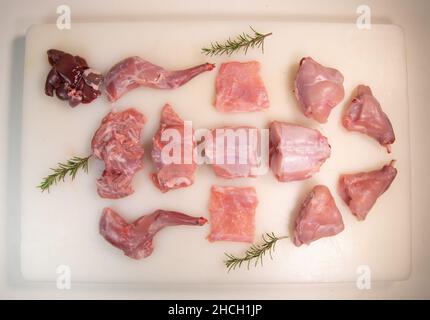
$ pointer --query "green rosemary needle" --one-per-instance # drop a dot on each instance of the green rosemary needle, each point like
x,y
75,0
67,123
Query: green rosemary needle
x,y
255,253
243,41
71,167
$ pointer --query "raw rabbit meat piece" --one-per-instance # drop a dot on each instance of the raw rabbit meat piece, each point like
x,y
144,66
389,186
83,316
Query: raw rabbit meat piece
x,y
135,239
178,174
365,115
318,217
239,88
237,154
296,152
318,89
361,190
117,143
133,72
232,213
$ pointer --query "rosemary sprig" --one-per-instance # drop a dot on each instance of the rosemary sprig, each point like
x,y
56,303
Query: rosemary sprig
x,y
71,167
243,41
255,253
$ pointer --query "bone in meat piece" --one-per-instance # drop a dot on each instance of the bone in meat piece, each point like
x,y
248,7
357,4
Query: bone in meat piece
x,y
318,89
365,115
234,152
318,217
361,190
178,173
135,239
133,72
296,152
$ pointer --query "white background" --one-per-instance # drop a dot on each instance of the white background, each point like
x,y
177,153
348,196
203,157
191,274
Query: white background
x,y
16,16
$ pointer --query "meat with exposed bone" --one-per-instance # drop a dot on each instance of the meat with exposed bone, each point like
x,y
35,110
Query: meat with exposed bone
x,y
296,152
365,115
173,173
361,190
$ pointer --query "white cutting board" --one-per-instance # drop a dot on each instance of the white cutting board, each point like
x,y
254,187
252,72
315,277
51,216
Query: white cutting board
x,y
61,228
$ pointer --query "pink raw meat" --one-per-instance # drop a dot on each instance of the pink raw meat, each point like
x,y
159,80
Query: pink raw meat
x,y
133,72
238,158
232,212
365,115
117,143
135,239
318,217
296,152
173,175
361,190
318,89
239,88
